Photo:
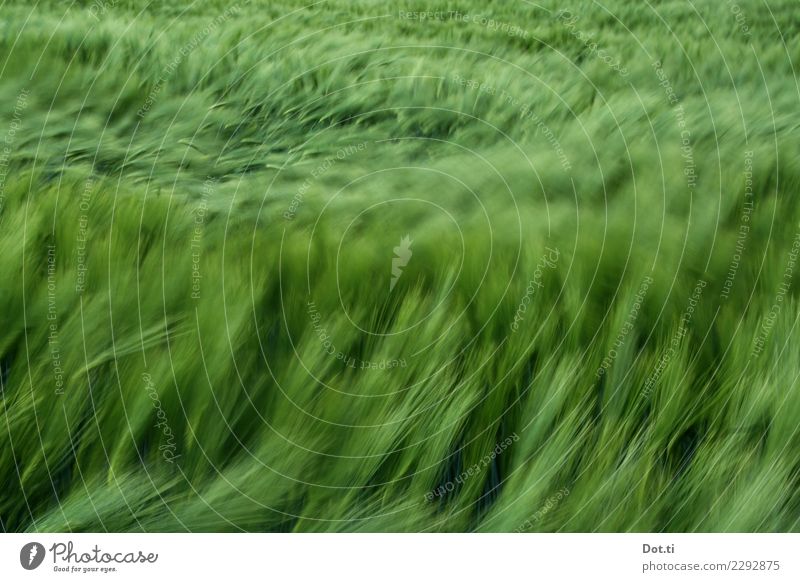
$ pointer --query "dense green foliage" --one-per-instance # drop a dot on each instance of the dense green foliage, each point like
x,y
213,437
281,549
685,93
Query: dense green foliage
x,y
210,319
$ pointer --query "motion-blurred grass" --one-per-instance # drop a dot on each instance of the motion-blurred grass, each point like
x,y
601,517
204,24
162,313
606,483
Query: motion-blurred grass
x,y
228,164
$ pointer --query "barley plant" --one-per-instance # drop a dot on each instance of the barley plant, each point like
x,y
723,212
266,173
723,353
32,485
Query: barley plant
x,y
271,265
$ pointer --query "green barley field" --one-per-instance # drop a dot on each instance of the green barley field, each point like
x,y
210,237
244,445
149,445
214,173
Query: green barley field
x,y
351,266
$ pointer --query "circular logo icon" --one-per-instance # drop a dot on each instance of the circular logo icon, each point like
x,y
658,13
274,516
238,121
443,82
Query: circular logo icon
x,y
31,555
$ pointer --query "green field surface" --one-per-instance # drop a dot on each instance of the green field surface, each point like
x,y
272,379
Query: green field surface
x,y
427,267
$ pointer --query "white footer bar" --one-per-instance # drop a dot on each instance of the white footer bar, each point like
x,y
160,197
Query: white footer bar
x,y
400,557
